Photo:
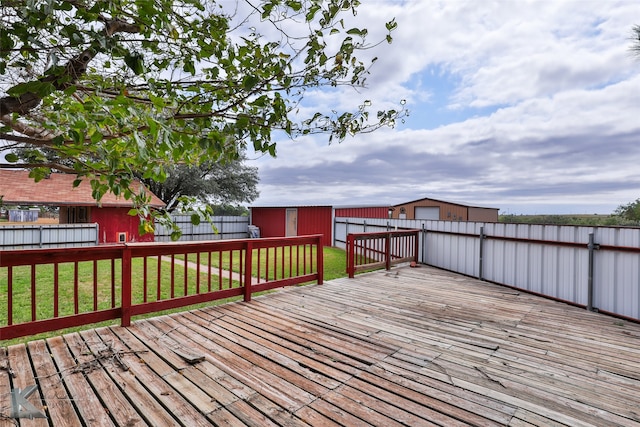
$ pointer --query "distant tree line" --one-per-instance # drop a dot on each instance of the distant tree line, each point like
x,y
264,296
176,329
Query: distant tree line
x,y
627,215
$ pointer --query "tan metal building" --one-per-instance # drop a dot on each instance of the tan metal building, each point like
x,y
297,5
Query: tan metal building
x,y
445,211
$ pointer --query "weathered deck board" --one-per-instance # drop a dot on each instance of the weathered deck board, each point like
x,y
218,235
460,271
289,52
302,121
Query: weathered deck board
x,y
413,347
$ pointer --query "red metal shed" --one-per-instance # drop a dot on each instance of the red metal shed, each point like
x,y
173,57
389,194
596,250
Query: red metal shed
x,y
362,211
285,221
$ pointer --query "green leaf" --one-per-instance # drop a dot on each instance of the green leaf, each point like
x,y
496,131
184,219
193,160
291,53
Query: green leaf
x,y
42,89
391,25
189,67
249,82
6,42
295,5
195,219
135,62
96,137
39,173
11,157
357,32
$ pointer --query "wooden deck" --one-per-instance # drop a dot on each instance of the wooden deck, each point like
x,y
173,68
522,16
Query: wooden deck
x,y
413,347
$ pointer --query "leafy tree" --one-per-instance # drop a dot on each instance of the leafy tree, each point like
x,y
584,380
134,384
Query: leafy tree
x,y
119,88
229,210
630,211
217,183
635,40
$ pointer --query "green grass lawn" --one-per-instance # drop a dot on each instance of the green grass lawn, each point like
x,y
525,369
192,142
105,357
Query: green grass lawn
x,y
108,293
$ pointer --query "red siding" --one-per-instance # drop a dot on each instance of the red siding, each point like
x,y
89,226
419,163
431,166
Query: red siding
x,y
316,220
117,220
364,212
271,221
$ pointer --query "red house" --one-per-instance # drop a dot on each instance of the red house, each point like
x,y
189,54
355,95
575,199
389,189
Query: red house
x,y
76,204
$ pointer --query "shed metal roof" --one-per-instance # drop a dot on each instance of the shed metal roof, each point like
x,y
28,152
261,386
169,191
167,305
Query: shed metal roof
x,y
468,205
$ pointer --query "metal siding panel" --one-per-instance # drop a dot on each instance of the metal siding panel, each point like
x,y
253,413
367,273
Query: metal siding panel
x,y
545,268
271,221
316,220
226,227
363,212
617,278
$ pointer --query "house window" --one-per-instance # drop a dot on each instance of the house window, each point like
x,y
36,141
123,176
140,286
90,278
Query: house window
x,y
77,214
82,214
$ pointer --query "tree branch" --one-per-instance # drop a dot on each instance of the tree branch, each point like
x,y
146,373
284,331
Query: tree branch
x,y
26,140
73,70
27,130
54,166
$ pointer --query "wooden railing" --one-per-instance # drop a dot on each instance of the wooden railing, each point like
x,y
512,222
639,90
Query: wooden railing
x,y
367,251
51,289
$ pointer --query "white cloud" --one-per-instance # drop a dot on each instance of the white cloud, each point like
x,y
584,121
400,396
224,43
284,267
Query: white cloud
x,y
543,111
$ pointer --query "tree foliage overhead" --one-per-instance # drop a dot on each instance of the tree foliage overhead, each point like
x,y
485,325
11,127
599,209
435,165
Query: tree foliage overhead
x,y
118,88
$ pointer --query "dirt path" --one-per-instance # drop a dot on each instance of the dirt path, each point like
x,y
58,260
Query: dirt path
x,y
214,270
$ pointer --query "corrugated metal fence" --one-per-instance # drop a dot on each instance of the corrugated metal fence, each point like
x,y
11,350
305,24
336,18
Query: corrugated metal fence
x,y
557,261
47,236
68,235
221,228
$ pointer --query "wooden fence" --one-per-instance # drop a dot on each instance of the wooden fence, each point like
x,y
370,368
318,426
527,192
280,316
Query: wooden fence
x,y
594,267
44,290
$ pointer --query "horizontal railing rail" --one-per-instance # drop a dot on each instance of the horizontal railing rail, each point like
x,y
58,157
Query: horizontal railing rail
x,y
367,251
47,290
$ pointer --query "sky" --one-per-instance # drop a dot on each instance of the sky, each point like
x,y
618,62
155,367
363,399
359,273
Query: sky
x,y
532,107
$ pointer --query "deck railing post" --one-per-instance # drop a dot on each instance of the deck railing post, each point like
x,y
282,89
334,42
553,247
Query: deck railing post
x,y
424,244
416,246
351,255
320,260
387,251
125,298
481,253
248,270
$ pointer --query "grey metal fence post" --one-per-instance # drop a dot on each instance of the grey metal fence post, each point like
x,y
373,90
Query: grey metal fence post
x,y
364,224
592,246
482,237
424,244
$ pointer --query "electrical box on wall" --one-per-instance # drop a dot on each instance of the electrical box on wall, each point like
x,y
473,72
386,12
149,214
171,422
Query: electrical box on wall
x,y
121,237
